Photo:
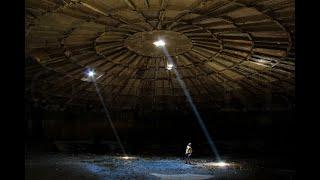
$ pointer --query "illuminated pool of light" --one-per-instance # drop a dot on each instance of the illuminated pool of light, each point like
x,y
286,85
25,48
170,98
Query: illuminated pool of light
x,y
219,164
128,157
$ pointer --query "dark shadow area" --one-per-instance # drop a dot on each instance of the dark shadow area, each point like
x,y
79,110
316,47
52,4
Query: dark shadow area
x,y
262,139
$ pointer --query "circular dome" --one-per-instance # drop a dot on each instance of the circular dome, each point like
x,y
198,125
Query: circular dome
x,y
227,52
142,43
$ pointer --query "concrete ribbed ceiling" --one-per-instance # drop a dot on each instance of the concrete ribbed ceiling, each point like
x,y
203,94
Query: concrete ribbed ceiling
x,y
231,54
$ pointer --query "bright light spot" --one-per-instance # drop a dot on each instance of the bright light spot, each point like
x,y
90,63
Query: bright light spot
x,y
127,157
219,164
169,66
159,43
91,73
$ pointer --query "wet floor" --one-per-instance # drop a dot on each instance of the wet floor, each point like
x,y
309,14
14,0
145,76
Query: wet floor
x,y
98,167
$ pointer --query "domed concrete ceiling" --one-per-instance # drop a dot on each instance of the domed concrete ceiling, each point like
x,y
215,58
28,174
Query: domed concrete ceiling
x,y
232,54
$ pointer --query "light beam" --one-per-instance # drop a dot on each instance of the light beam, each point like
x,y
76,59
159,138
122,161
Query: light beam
x,y
91,74
193,106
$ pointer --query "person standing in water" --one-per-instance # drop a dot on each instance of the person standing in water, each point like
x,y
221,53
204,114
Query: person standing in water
x,y
188,153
